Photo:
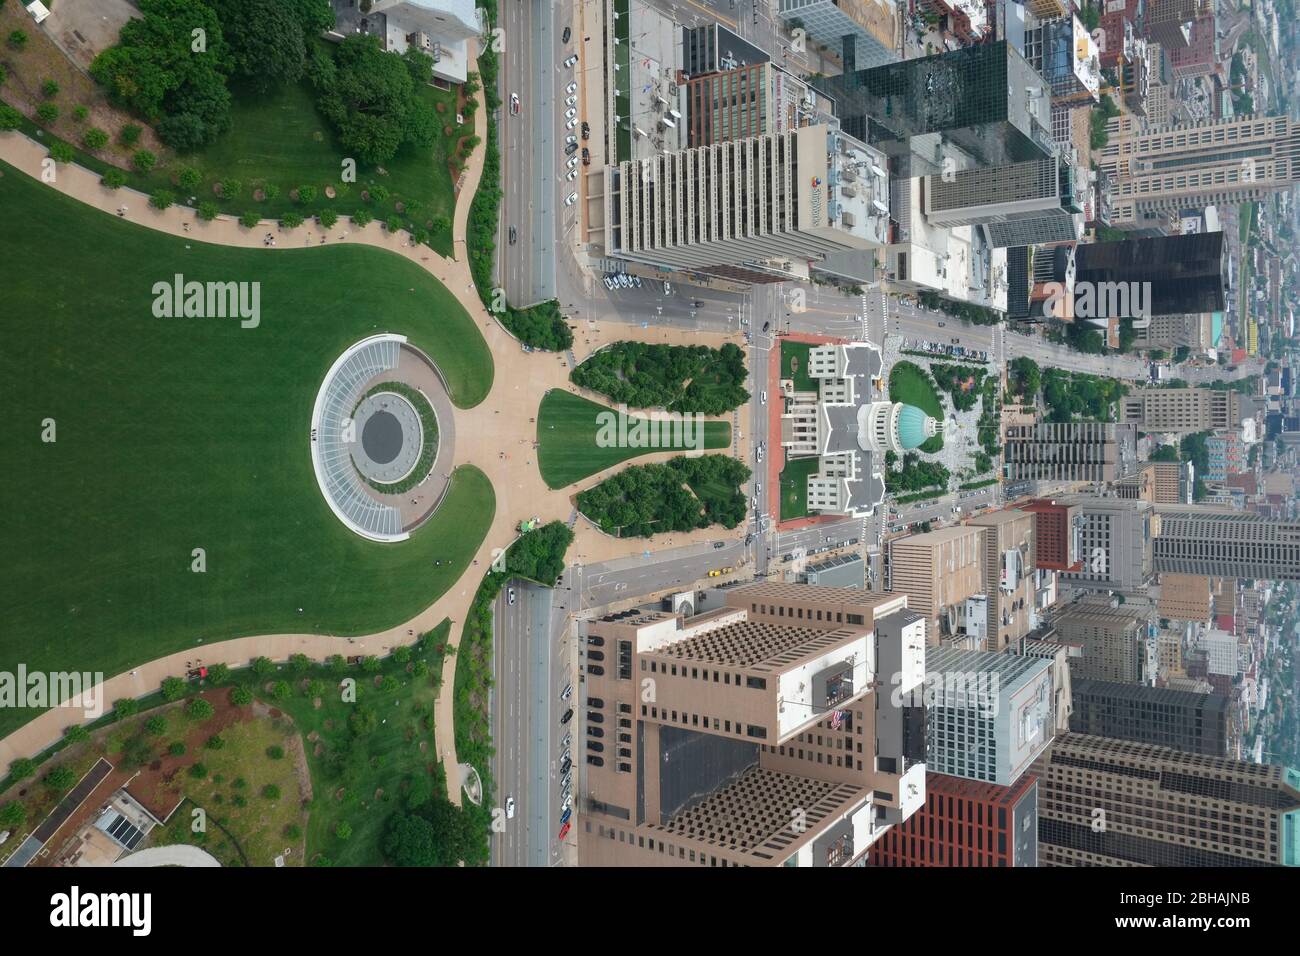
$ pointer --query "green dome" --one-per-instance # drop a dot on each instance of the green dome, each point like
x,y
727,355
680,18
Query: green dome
x,y
911,427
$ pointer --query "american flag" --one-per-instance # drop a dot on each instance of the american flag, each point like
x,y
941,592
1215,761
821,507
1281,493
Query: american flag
x,y
837,720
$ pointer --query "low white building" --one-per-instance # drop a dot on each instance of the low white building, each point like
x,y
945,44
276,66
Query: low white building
x,y
444,29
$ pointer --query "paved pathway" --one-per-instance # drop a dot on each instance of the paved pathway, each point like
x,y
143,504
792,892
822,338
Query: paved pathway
x,y
495,436
179,855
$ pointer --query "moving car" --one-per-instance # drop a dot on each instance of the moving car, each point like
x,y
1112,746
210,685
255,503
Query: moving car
x,y
762,397
510,596
510,808
514,104
668,289
564,37
513,235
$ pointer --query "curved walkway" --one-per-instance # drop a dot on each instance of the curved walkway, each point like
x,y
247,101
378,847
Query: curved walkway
x,y
179,855
495,436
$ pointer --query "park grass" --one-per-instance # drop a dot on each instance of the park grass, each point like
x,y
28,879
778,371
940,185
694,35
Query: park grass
x,y
566,434
794,487
794,365
911,385
176,434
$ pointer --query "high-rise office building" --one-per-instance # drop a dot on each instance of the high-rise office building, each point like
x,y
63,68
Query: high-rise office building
x,y
1192,723
1169,22
1107,802
1070,451
1112,639
1115,543
988,716
1201,540
965,823
1193,330
870,25
780,729
1008,576
1160,482
938,571
985,100
759,209
1181,410
1057,534
1156,172
1185,597
1021,204
1066,56
1155,275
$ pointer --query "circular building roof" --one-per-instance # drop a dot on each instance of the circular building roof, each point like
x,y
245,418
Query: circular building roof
x,y
912,427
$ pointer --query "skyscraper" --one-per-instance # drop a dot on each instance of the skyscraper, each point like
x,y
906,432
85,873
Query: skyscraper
x,y
1229,161
1202,540
1070,451
1106,802
870,23
1115,543
986,100
1021,204
1181,410
1160,274
1111,637
1169,21
1192,723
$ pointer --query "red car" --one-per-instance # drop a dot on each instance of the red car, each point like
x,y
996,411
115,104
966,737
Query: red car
x,y
564,831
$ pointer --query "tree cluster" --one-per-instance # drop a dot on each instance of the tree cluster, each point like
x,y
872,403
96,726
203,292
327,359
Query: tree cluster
x,y
541,326
1078,396
682,494
952,378
686,379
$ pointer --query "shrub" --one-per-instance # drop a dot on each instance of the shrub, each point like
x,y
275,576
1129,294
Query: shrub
x,y
76,734
156,726
177,749
60,779
129,134
370,663
402,655
198,709
275,752
393,224
80,113
22,768
292,831
215,742
62,153
94,138
47,112
343,830
239,783
250,219
10,118
208,210
3,76
189,179
271,792
173,688
162,199
271,191
241,696
379,194
126,707
299,663
327,218
291,220
361,218
307,194
12,815
114,178
49,89
18,39
198,771
262,666
282,690
144,160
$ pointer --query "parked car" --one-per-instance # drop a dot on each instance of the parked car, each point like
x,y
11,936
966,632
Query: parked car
x,y
565,741
510,808
568,716
570,124
564,767
564,817
571,149
572,175
514,104
570,141
572,162
571,88
571,61
564,757
573,197
570,113
609,283
595,761
564,37
668,289
564,831
567,692
586,156
586,130
571,101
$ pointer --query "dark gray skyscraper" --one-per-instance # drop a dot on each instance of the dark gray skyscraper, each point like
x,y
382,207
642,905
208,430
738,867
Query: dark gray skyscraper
x,y
1184,720
1185,274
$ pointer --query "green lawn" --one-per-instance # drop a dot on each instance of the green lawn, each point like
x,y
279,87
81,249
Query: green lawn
x,y
794,487
794,364
176,434
910,384
280,139
567,429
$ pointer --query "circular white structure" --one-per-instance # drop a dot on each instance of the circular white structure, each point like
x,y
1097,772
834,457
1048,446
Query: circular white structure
x,y
333,434
893,426
388,437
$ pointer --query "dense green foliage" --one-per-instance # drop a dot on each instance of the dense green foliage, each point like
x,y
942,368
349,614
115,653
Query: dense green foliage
x,y
680,378
916,475
680,495
541,326
961,382
912,385
1076,396
1025,377
966,311
481,228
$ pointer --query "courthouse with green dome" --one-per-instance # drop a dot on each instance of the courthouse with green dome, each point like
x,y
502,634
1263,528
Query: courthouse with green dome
x,y
848,427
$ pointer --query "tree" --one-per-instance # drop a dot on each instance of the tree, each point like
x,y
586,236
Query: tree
x,y
343,830
271,792
198,709
250,219
61,152
47,113
410,840
75,734
208,210
60,779
10,118
94,138
262,666
361,218
126,707
327,218
306,194
22,768
299,663
189,179
291,220
129,134
144,160
18,39
49,89
12,815
241,696
267,42
162,199
173,688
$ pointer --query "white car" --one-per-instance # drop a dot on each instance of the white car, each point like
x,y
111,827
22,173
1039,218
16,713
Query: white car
x,y
571,61
573,197
570,113
510,808
762,397
571,88
573,162
571,101
514,104
571,123
566,694
609,283
570,141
